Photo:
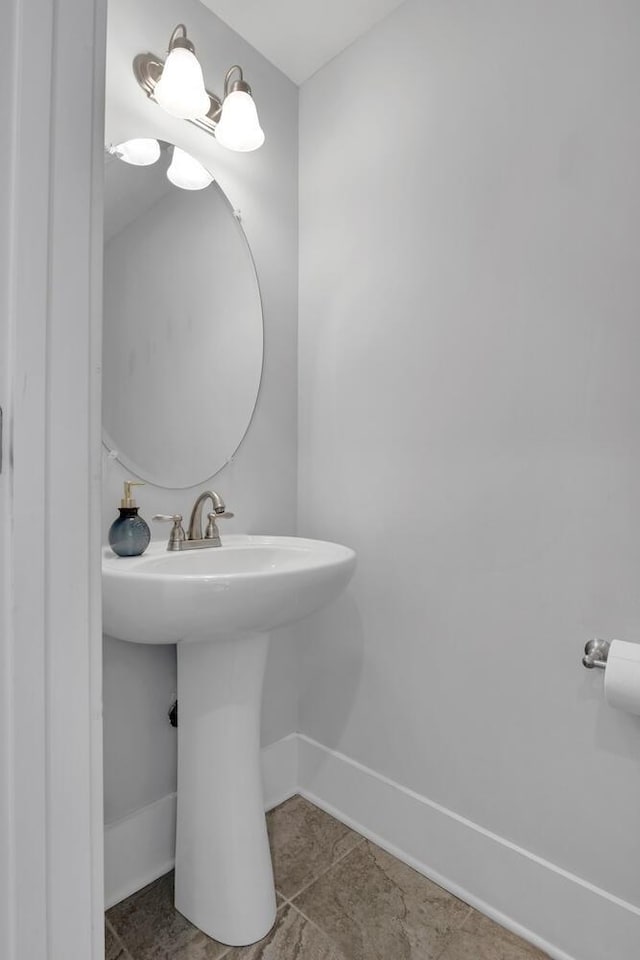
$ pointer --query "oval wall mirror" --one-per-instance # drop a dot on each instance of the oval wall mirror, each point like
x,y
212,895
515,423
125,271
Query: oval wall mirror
x,y
182,329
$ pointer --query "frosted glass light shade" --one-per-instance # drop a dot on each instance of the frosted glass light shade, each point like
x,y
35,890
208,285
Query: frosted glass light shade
x,y
180,90
239,127
186,172
141,152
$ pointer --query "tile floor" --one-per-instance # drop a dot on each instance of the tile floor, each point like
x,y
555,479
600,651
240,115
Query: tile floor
x,y
340,898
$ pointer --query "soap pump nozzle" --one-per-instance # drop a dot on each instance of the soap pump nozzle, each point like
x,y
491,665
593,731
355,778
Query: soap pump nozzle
x,y
128,500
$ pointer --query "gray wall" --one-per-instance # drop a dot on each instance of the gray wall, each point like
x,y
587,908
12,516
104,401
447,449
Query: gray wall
x,y
470,415
260,485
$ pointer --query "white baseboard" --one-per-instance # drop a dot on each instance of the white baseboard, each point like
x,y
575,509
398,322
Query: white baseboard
x,y
573,919
138,849
280,771
141,847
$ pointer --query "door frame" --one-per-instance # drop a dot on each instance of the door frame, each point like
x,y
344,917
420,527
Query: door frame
x,y
52,55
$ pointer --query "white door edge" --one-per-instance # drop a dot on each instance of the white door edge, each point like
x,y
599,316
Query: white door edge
x,y
51,885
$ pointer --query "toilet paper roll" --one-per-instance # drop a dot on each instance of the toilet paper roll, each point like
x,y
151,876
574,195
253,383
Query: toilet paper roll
x,y
622,676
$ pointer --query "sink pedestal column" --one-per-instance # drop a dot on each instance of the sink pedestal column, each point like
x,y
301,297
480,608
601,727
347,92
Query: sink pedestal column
x,y
224,878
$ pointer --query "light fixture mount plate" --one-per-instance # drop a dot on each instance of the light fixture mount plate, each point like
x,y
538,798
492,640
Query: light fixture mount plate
x,y
147,69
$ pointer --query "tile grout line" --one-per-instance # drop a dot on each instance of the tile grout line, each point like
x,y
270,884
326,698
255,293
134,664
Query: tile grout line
x,y
316,926
454,932
121,943
279,907
290,902
227,949
471,910
129,956
324,872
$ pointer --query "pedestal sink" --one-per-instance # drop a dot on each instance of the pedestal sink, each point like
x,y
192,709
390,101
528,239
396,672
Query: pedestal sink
x,y
218,605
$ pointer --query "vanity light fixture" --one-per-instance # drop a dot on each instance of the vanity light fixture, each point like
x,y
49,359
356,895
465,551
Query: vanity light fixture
x,y
177,85
141,151
186,172
180,89
238,127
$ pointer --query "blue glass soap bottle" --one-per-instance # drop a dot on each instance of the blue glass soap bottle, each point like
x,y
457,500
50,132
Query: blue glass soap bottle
x,y
129,535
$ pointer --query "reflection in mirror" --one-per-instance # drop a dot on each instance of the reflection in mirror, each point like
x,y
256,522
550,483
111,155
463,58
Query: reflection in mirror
x,y
182,341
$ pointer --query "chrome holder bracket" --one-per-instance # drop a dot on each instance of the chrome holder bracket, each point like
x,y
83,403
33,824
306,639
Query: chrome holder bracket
x,y
147,69
596,654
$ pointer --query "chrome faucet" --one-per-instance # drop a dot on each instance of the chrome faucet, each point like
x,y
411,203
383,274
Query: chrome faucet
x,y
194,538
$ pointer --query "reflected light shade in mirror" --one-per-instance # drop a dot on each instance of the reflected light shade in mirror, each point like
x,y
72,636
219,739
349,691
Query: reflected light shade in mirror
x,y
187,172
180,90
141,152
239,127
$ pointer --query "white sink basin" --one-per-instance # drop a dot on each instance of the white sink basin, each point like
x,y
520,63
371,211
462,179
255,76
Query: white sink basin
x,y
218,605
249,583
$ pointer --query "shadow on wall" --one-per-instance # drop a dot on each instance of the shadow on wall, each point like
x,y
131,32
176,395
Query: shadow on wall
x,y
333,665
615,732
140,745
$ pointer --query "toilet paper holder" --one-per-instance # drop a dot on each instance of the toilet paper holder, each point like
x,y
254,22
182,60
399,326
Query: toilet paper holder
x,y
596,653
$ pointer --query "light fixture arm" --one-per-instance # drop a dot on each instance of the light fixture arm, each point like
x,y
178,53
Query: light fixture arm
x,y
180,41
239,84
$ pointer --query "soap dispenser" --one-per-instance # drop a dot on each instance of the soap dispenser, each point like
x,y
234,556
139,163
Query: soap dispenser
x,y
129,534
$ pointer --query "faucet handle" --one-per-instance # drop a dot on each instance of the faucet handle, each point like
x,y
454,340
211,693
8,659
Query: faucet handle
x,y
177,535
212,533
